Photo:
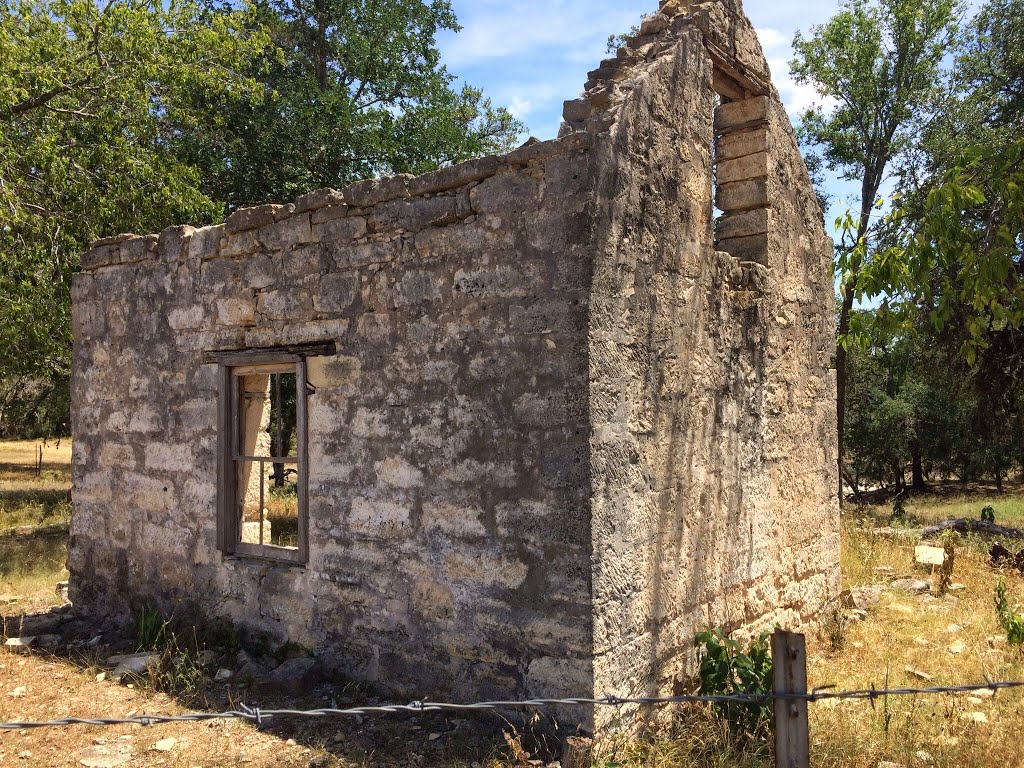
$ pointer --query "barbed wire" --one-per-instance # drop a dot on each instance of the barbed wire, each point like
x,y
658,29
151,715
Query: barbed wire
x,y
260,716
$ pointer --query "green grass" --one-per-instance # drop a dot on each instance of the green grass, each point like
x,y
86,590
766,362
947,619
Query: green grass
x,y
932,509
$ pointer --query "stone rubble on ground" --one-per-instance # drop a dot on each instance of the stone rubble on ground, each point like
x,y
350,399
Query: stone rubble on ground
x,y
294,676
865,598
164,745
20,644
914,586
133,664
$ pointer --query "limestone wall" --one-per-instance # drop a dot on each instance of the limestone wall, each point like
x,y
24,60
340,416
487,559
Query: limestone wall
x,y
711,394
449,533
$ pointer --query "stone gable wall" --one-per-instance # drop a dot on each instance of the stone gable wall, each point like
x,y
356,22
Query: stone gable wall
x,y
712,394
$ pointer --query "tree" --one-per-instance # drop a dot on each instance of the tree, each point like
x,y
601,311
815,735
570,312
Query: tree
x,y
357,91
879,62
90,96
133,115
956,259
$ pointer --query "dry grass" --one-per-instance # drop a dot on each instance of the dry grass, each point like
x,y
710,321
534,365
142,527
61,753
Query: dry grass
x,y
919,632
902,631
32,562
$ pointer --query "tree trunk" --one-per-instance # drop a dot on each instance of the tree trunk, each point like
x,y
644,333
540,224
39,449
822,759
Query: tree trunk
x,y
918,467
869,188
286,440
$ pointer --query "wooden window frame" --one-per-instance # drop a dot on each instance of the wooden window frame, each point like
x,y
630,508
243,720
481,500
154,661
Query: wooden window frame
x,y
229,418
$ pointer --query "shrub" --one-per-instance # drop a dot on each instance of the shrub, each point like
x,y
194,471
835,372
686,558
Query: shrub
x,y
899,510
1011,619
726,669
988,514
151,629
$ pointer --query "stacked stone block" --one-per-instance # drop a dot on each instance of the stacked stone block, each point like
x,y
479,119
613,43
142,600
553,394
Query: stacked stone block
x,y
741,178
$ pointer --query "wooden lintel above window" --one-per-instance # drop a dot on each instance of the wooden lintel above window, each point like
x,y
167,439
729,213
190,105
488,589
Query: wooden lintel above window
x,y
252,356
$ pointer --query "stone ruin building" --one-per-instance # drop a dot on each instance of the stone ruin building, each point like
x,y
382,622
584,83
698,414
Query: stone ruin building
x,y
519,427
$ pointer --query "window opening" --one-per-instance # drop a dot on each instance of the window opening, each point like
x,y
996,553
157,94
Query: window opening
x,y
263,497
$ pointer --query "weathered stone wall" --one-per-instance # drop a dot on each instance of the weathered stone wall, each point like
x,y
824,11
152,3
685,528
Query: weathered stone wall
x,y
449,533
573,418
711,394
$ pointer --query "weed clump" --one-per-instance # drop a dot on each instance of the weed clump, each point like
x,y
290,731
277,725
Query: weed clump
x,y
726,669
1010,618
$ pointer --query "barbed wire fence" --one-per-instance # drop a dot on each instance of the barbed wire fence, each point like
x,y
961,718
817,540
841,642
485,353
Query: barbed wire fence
x,y
789,699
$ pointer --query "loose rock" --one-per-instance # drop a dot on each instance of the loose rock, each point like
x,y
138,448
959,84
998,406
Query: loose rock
x,y
863,598
135,664
294,676
164,745
914,586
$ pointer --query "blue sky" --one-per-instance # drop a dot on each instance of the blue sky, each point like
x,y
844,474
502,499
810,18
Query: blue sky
x,y
531,55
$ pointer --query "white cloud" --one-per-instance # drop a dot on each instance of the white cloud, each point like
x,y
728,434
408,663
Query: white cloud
x,y
496,30
798,97
519,107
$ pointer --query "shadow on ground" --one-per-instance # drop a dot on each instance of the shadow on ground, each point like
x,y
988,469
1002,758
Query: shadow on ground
x,y
81,648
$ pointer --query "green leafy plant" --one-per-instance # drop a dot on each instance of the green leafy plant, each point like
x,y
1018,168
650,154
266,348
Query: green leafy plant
x,y
988,514
1010,618
151,629
899,510
726,669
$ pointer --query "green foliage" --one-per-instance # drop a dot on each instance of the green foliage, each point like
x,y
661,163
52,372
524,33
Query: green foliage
x,y
875,65
132,116
955,239
1011,619
151,629
726,669
879,62
988,513
899,510
356,91
906,402
91,97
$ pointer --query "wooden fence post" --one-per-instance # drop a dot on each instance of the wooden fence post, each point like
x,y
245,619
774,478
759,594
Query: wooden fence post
x,y
789,675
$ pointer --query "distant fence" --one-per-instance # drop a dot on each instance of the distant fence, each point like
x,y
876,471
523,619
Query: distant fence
x,y
789,697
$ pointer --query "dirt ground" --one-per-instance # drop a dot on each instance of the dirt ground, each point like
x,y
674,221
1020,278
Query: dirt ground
x,y
37,687
901,639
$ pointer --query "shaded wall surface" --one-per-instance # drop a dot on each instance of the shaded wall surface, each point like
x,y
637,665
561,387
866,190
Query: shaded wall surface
x,y
573,418
448,494
711,391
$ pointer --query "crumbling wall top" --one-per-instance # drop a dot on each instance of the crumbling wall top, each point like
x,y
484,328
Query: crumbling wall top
x,y
322,205
741,71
